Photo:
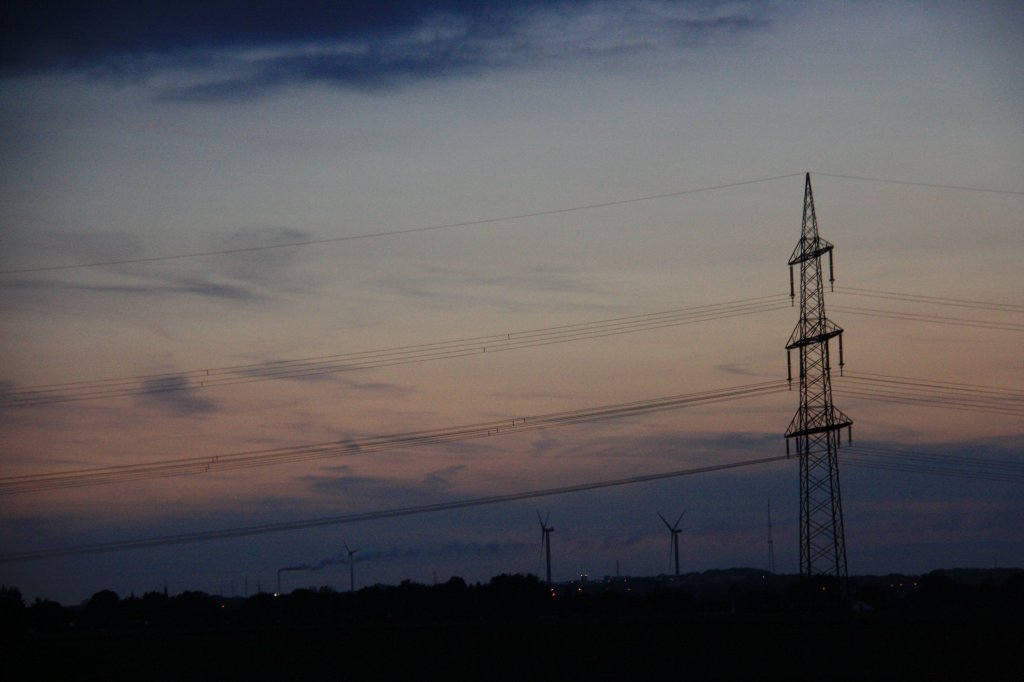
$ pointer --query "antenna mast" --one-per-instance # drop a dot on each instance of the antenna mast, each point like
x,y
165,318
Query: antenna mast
x,y
817,423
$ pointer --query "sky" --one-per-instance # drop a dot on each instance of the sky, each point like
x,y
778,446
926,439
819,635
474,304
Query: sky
x,y
410,164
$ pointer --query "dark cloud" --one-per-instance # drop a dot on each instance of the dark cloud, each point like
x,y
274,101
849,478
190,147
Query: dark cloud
x,y
513,292
356,491
543,444
442,478
362,488
201,286
741,370
239,267
169,286
71,34
666,445
247,255
241,49
176,395
12,395
330,373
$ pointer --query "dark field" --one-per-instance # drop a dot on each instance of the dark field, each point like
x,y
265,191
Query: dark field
x,y
732,648
931,629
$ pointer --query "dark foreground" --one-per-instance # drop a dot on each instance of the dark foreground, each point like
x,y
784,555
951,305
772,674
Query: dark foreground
x,y
518,631
734,648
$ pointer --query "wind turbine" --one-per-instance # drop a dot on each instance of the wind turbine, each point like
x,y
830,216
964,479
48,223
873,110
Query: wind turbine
x,y
674,530
351,568
545,540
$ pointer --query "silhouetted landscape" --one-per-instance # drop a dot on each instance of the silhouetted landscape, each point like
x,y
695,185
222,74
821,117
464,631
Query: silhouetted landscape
x,y
720,624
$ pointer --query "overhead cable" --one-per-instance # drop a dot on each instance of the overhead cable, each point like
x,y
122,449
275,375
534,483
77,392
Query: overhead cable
x,y
933,300
934,319
182,538
891,181
393,233
298,368
272,456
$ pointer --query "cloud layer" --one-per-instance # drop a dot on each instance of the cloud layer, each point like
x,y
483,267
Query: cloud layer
x,y
242,49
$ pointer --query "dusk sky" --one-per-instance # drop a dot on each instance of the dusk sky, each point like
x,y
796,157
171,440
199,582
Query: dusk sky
x,y
336,133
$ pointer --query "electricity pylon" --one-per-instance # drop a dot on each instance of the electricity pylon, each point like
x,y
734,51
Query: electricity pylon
x,y
817,423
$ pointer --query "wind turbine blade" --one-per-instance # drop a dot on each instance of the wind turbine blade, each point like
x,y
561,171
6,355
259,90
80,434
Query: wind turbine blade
x,y
664,521
346,548
680,518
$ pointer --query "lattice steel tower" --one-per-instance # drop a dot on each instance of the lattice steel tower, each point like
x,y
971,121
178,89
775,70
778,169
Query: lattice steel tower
x,y
817,423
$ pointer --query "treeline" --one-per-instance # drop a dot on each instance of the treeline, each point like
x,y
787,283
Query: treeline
x,y
524,598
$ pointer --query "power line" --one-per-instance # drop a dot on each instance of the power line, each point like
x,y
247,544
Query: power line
x,y
951,403
891,181
272,456
994,392
298,368
934,319
869,463
864,385
481,221
947,395
393,233
46,394
935,300
182,538
966,461
955,466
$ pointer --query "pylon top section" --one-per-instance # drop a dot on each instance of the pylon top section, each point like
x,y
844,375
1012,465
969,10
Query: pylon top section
x,y
811,245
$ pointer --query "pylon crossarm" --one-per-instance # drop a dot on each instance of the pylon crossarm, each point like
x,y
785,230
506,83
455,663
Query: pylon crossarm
x,y
809,334
808,249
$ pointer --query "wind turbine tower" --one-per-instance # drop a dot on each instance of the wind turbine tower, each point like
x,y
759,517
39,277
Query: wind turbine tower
x,y
817,424
351,567
545,541
673,529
